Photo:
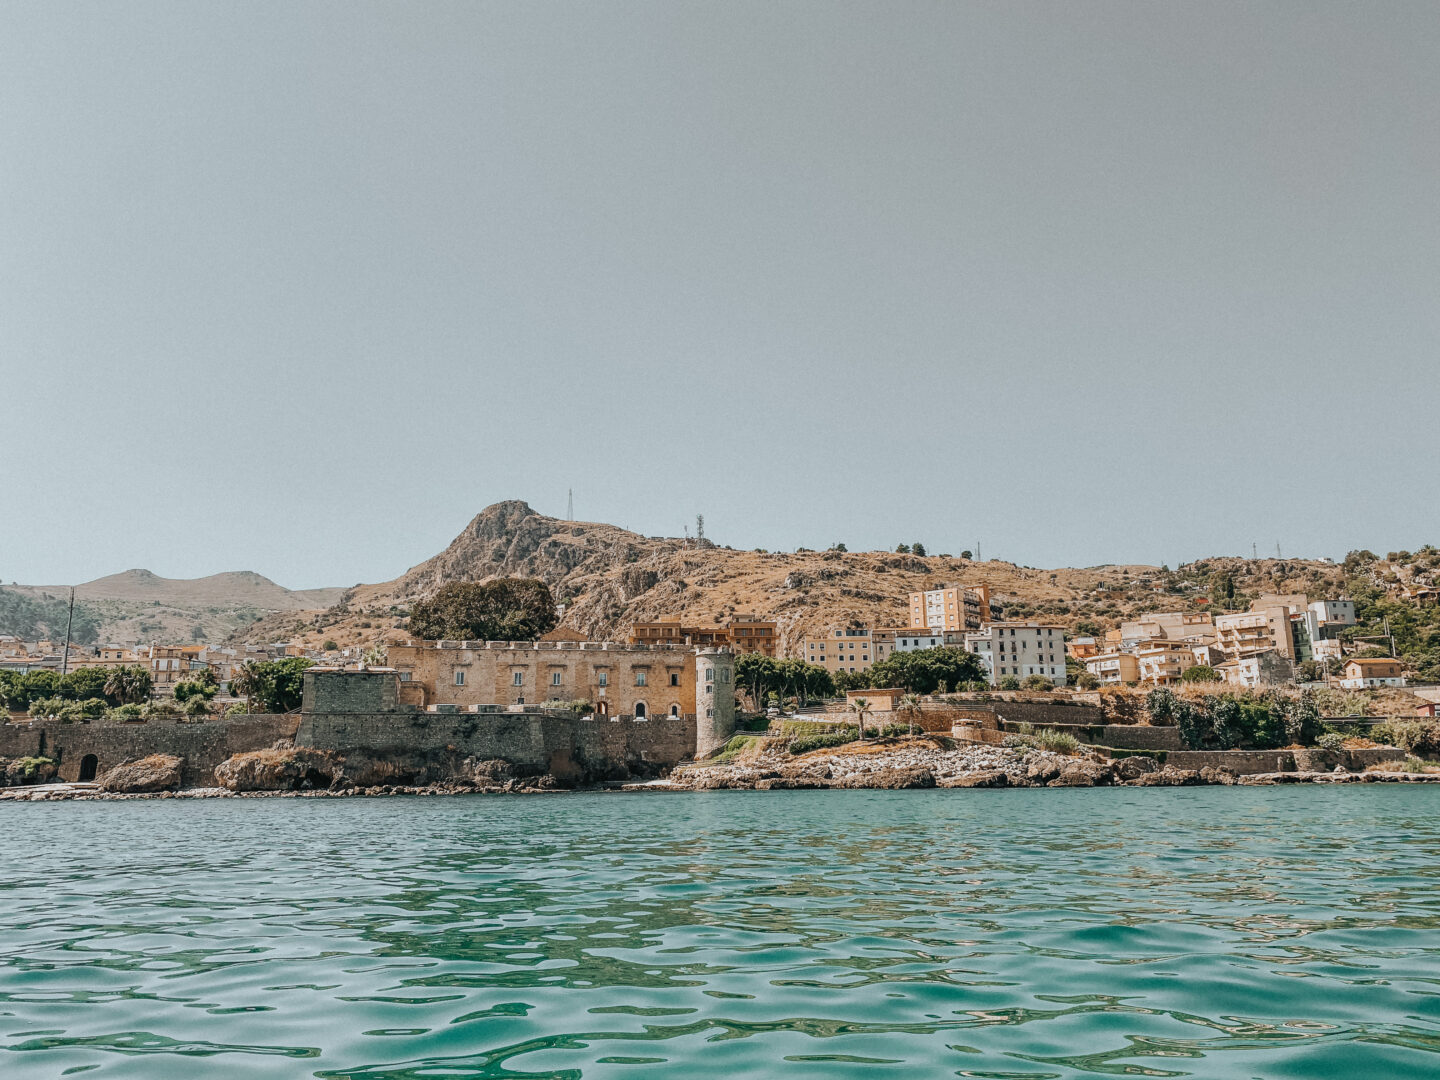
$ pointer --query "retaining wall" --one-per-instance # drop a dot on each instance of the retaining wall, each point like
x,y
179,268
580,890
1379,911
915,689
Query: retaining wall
x,y
201,745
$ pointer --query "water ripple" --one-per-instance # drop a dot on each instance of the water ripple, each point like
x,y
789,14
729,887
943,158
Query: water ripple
x,y
1040,934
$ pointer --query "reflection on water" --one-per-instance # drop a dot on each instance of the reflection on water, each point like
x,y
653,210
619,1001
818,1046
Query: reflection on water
x,y
1149,932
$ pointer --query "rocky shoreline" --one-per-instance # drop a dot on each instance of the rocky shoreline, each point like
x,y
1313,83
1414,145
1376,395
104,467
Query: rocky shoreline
x,y
891,765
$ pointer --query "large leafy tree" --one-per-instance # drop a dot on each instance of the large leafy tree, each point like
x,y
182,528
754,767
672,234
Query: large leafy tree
x,y
273,685
508,609
925,671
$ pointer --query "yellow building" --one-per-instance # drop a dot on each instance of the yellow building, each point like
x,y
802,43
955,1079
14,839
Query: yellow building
x,y
953,607
1114,669
854,648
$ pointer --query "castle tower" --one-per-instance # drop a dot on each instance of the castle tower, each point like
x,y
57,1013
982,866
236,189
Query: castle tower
x,y
714,699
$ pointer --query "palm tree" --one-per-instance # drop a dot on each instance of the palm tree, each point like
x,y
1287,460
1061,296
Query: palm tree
x,y
248,681
128,685
910,706
860,707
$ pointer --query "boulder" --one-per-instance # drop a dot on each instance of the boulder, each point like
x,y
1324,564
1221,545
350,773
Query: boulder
x,y
1135,766
1042,771
158,772
1169,776
26,770
1212,774
986,778
890,779
1083,774
276,770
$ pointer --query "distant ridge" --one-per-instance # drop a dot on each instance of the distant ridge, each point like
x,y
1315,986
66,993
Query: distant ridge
x,y
236,588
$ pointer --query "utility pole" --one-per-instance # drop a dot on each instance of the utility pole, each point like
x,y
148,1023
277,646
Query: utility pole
x,y
69,619
1277,550
570,505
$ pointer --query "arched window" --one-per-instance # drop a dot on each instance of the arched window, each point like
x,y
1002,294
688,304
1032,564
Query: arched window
x,y
639,710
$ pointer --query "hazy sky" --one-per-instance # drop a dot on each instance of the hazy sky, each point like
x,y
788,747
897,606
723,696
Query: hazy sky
x,y
301,287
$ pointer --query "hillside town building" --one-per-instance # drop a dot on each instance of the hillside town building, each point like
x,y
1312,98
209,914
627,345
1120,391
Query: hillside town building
x,y
1020,649
1363,673
742,634
953,607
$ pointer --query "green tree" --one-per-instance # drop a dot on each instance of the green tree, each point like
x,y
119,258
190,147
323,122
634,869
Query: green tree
x,y
1009,682
902,549
918,548
508,609
861,708
910,709
129,685
276,686
83,683
1200,673
926,671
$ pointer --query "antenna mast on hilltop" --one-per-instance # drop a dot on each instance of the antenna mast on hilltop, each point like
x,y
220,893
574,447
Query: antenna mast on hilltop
x,y
570,505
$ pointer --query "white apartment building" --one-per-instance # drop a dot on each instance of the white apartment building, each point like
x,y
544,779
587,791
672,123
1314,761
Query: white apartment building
x,y
1020,649
912,639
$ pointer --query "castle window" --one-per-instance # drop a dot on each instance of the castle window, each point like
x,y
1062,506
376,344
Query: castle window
x,y
674,678
459,678
517,678
639,678
709,674
604,678
555,678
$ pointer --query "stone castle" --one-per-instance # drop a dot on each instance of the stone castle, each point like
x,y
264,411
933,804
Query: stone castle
x,y
579,711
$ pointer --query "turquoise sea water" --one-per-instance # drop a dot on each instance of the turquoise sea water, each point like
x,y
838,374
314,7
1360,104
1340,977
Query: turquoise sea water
x,y
1213,932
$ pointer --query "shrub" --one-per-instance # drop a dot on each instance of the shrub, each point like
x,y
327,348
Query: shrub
x,y
1412,736
1331,740
331,645
1009,682
1200,673
128,713
839,737
1057,742
737,745
1037,682
1087,680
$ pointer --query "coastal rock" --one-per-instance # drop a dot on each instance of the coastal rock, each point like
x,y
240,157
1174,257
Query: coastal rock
x,y
1136,766
791,783
1042,771
26,771
158,772
1083,774
276,770
1169,776
989,778
890,779
1211,774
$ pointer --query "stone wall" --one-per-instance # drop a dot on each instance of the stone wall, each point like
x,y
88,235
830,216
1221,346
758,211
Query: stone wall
x,y
566,746
201,746
1248,762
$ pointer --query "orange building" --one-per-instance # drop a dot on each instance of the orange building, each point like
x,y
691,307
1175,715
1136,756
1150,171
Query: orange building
x,y
953,607
742,634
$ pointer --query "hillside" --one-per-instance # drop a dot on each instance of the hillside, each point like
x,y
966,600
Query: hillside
x,y
610,578
139,606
